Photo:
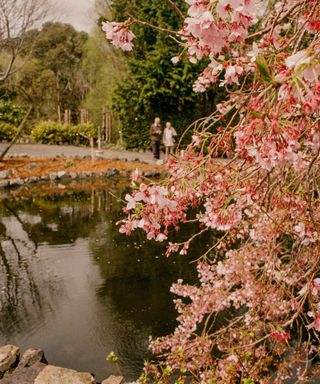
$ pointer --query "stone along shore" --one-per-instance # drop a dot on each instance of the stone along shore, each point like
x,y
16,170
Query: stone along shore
x,y
33,368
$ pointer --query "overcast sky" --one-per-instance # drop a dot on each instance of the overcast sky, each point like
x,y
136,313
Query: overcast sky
x,y
79,13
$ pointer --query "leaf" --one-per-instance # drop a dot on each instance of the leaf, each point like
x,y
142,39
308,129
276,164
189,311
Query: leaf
x,y
247,381
112,357
263,69
256,114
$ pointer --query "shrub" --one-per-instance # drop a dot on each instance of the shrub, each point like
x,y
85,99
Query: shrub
x,y
50,132
11,113
80,134
7,131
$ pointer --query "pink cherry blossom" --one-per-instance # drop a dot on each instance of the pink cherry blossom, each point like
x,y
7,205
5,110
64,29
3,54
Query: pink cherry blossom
x,y
232,75
175,59
136,175
248,184
297,59
119,34
316,318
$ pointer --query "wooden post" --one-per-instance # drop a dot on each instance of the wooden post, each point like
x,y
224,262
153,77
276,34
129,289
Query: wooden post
x,y
109,124
99,138
103,124
92,148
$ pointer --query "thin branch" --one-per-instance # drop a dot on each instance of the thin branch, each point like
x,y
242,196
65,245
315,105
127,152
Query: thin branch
x,y
176,9
133,20
267,29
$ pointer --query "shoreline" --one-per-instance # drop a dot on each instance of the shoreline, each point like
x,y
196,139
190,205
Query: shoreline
x,y
21,172
33,368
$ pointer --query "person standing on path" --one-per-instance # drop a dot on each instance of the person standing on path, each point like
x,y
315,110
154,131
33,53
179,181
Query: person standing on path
x,y
168,138
155,133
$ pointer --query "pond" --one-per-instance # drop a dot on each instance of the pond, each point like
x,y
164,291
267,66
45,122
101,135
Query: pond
x,y
75,287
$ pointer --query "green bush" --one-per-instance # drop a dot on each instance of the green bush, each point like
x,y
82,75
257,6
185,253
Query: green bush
x,y
50,132
80,134
11,113
7,131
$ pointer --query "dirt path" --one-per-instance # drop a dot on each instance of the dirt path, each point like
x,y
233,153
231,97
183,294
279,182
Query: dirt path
x,y
50,151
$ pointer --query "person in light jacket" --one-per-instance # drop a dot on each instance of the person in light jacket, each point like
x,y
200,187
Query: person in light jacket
x,y
169,134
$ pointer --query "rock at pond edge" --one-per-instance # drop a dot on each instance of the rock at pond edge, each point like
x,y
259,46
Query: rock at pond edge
x,y
114,380
9,354
32,356
57,375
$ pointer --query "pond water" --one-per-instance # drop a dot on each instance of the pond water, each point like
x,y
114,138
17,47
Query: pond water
x,y
73,286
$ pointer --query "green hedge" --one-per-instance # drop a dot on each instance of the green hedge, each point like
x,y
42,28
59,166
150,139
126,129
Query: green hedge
x,y
7,131
50,132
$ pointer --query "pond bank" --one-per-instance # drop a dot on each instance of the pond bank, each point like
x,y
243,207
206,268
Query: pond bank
x,y
32,368
17,172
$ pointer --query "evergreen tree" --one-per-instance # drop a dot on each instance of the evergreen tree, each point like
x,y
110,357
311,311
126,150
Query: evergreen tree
x,y
154,86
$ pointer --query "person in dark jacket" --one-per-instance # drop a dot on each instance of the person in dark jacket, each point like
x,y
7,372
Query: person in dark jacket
x,y
156,134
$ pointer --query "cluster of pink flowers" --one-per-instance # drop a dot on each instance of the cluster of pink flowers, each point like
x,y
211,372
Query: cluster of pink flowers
x,y
159,212
119,34
254,316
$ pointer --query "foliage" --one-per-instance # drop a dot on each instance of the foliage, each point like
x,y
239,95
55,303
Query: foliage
x,y
262,274
50,132
11,116
153,86
7,131
35,85
63,69
102,76
51,79
80,134
11,113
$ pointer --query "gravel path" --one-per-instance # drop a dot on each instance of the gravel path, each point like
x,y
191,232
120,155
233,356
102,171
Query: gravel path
x,y
41,150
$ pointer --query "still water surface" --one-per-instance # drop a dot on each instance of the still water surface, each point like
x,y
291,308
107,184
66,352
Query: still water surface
x,y
72,285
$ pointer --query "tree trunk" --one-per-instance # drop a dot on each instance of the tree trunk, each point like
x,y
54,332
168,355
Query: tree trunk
x,y
108,127
67,116
58,100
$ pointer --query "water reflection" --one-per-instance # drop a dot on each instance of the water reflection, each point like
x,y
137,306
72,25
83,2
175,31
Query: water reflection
x,y
72,285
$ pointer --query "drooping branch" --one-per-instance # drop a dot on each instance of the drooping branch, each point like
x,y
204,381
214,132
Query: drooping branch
x,y
276,22
262,207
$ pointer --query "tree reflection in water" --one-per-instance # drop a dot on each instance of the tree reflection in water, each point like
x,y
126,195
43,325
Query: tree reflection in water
x,y
72,284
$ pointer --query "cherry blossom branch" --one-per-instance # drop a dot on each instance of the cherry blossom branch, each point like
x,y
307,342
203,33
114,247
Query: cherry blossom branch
x,y
264,203
134,20
267,29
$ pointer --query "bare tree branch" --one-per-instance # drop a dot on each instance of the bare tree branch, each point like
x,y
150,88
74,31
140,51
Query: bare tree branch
x,y
16,18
